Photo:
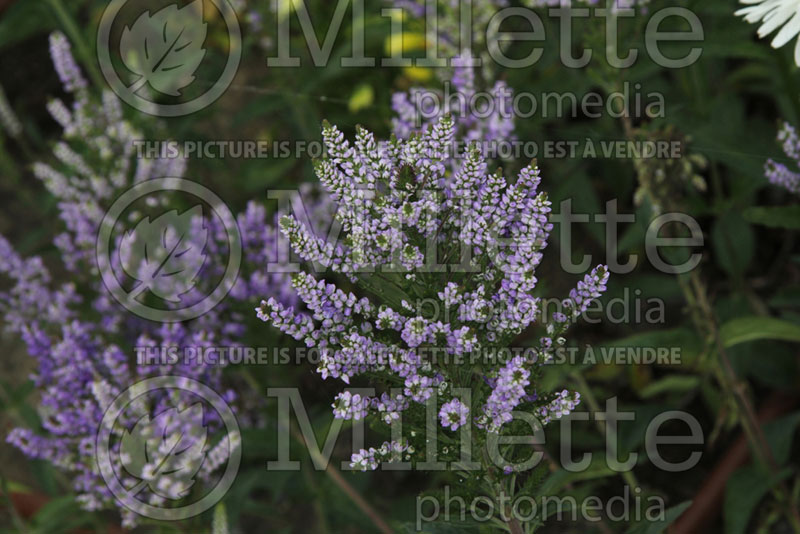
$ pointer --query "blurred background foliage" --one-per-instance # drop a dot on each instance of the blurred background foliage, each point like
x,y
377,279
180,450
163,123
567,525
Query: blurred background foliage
x,y
735,319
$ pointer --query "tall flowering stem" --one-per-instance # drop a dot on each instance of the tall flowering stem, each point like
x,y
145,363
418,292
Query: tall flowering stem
x,y
82,340
439,257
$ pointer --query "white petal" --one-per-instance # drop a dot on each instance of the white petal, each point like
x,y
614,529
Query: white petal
x,y
797,53
791,29
776,19
753,14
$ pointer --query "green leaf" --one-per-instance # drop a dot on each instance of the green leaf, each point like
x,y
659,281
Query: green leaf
x,y
632,434
745,489
779,434
670,383
21,20
657,527
61,514
733,242
18,487
789,297
562,478
681,337
743,329
776,371
787,217
441,527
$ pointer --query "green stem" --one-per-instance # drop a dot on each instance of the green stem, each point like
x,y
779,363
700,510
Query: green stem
x,y
19,523
697,294
333,473
594,407
319,508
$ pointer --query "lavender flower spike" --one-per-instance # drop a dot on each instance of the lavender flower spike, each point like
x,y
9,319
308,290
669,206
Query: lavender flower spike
x,y
403,206
778,173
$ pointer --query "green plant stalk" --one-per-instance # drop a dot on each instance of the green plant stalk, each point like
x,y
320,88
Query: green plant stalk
x,y
514,526
729,381
71,29
601,524
705,321
19,523
506,520
339,480
9,167
319,509
330,470
594,407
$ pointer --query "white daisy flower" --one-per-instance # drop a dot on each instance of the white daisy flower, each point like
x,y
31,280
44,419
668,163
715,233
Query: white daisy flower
x,y
774,14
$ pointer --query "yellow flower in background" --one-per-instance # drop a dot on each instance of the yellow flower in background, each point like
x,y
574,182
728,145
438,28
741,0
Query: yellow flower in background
x,y
362,98
405,42
418,74
398,44
285,7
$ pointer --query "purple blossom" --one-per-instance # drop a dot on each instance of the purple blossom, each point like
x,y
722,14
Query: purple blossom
x,y
370,459
400,202
562,404
478,120
81,338
506,395
350,406
778,173
454,414
449,22
64,62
